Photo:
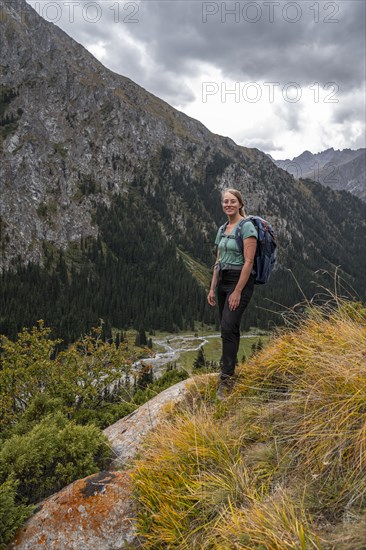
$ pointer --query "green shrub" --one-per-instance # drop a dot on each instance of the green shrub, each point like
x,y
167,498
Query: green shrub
x,y
79,376
11,514
42,405
105,415
53,454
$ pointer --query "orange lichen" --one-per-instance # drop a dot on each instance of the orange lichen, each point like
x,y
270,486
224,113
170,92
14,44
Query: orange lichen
x,y
90,507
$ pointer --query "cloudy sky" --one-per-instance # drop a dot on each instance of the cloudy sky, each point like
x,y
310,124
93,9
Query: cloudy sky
x,y
277,75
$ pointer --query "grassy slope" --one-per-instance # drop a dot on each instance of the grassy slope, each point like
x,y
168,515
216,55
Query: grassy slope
x,y
199,271
281,464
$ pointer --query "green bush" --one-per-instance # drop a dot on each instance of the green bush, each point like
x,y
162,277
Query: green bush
x,y
11,514
79,376
40,406
105,415
52,454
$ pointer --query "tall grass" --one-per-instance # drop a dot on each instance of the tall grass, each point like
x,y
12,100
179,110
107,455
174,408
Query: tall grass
x,y
281,464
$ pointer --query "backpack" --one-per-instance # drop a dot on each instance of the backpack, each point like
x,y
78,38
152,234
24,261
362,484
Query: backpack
x,y
265,254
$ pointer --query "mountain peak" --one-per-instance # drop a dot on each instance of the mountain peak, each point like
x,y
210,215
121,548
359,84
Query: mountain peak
x,y
305,155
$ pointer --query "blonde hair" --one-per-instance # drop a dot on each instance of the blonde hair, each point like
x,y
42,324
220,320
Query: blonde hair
x,y
238,195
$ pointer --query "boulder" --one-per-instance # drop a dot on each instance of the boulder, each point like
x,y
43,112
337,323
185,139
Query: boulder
x,y
95,513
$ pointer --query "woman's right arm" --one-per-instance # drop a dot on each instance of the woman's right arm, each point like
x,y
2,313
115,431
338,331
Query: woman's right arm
x,y
211,295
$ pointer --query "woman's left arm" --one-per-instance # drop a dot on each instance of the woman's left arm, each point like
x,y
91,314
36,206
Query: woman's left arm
x,y
250,246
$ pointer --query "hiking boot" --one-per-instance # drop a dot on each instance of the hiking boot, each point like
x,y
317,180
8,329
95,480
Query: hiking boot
x,y
221,390
224,387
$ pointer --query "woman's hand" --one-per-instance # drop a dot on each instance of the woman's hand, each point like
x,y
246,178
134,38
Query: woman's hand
x,y
234,300
211,298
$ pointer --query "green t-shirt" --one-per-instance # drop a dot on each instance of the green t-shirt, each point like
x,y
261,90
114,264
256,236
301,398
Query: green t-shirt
x,y
228,250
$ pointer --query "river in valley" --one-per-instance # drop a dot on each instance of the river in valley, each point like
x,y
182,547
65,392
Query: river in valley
x,y
173,346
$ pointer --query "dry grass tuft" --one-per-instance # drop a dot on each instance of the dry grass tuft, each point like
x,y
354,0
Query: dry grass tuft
x,y
273,524
281,464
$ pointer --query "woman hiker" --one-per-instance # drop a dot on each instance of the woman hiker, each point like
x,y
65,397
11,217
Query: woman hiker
x,y
233,278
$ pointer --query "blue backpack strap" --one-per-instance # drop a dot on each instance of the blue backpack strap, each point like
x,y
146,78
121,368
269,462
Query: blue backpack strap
x,y
222,233
222,230
238,235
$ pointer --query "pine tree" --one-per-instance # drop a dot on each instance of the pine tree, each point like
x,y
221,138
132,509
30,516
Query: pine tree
x,y
260,344
253,348
143,339
200,361
117,340
137,339
145,377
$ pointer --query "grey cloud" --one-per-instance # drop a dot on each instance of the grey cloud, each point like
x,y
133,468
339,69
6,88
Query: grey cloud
x,y
172,87
290,113
344,114
265,138
304,51
174,43
357,142
350,109
167,85
178,39
261,144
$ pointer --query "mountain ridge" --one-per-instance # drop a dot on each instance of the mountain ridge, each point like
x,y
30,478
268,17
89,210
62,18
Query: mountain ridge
x,y
339,169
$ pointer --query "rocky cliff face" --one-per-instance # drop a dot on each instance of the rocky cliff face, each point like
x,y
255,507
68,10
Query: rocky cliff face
x,y
340,170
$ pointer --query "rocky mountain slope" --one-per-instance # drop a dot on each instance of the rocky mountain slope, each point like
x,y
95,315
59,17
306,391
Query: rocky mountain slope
x,y
79,134
103,184
339,170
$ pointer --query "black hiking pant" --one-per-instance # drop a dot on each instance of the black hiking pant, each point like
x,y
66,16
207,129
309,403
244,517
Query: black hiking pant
x,y
230,320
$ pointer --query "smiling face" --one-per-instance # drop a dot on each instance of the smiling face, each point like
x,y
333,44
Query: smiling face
x,y
231,204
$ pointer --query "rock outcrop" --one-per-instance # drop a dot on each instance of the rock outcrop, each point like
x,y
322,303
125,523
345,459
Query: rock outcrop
x,y
95,513
126,435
